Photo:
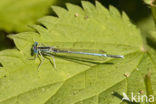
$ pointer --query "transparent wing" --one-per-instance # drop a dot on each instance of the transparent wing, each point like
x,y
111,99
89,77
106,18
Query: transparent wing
x,y
81,54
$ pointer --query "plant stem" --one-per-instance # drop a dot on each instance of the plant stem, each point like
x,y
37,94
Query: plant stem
x,y
153,9
149,86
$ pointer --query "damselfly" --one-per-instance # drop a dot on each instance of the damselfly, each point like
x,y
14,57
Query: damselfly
x,y
46,50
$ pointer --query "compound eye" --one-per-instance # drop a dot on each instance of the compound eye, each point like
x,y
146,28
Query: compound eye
x,y
35,50
36,43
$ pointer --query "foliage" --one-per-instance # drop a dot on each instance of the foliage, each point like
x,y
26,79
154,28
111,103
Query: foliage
x,y
148,1
17,15
75,81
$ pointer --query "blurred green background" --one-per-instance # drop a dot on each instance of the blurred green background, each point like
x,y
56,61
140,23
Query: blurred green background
x,y
137,10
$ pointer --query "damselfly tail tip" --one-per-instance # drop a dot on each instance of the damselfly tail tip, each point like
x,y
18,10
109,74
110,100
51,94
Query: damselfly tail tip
x,y
115,56
122,56
118,56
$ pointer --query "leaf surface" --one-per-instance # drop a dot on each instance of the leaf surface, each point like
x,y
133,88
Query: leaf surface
x,y
75,81
18,14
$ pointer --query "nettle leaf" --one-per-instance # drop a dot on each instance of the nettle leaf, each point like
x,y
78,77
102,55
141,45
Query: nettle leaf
x,y
75,81
18,14
148,1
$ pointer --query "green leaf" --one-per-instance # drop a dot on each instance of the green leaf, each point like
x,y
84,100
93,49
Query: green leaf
x,y
75,81
148,1
152,4
18,14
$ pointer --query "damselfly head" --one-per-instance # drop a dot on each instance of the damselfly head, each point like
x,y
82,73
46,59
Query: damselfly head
x,y
35,47
35,44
